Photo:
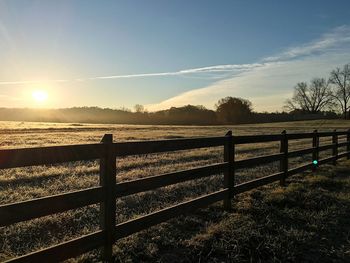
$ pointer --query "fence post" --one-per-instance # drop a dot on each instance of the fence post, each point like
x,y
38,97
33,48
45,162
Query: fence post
x,y
284,159
348,145
108,206
335,147
315,152
229,174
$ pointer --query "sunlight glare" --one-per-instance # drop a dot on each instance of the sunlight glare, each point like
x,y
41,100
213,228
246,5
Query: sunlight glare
x,y
40,95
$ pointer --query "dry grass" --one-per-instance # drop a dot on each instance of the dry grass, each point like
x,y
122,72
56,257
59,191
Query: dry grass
x,y
183,236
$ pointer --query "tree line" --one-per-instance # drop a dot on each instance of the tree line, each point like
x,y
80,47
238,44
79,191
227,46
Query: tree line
x,y
229,110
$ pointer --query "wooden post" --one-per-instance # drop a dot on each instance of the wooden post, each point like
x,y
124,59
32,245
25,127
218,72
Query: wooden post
x,y
229,174
284,160
348,145
108,206
335,147
315,152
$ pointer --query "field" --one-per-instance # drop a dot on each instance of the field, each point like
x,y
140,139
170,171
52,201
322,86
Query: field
x,y
269,225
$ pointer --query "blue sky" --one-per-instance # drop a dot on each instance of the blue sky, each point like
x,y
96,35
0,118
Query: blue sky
x,y
166,53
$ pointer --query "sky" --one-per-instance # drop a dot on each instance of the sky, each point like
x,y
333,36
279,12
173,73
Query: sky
x,y
166,53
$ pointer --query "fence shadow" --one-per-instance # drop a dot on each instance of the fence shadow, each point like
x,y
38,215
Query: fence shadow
x,y
307,221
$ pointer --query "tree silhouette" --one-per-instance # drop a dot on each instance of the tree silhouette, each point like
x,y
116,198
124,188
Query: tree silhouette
x,y
311,98
232,110
340,79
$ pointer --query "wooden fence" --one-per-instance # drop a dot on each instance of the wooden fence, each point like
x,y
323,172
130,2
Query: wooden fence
x,y
105,195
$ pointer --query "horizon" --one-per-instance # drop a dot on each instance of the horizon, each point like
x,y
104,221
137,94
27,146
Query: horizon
x,y
117,54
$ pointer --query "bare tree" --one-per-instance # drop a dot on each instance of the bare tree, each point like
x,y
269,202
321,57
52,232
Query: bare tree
x,y
340,80
311,98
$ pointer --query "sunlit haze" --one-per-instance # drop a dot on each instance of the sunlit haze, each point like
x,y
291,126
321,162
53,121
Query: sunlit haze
x,y
166,53
40,96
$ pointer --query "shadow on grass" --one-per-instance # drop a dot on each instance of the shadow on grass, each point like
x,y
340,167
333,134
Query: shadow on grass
x,y
308,221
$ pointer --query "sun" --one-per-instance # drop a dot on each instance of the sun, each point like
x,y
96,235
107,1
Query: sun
x,y
40,95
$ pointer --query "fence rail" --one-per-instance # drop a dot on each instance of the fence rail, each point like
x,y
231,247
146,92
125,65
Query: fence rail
x,y
22,211
48,155
106,194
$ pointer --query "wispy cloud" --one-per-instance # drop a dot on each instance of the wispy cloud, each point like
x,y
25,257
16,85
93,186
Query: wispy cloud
x,y
218,69
329,41
270,83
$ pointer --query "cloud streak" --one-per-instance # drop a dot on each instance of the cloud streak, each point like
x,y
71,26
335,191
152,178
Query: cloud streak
x,y
210,69
219,69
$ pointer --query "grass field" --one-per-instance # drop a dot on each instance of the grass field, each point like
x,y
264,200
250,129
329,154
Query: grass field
x,y
303,221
